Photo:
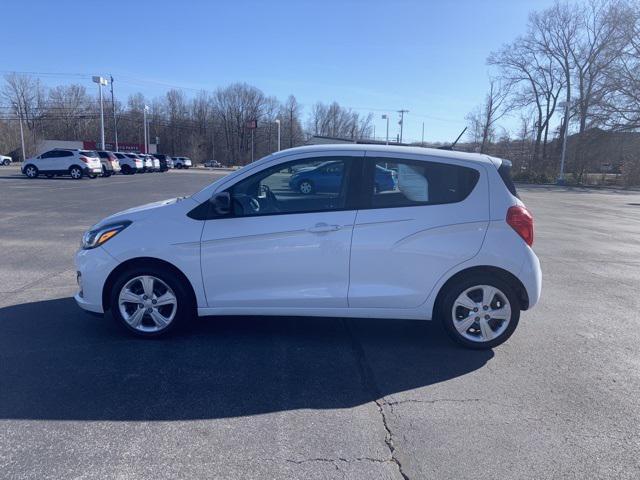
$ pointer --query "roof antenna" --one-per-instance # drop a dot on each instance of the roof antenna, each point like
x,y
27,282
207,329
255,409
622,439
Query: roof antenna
x,y
450,147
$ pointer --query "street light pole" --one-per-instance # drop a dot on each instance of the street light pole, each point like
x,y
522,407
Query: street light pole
x,y
564,142
146,136
422,143
21,130
401,122
386,117
115,122
101,81
278,122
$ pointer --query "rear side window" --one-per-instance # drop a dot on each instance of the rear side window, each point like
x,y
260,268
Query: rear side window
x,y
64,153
119,155
505,174
406,183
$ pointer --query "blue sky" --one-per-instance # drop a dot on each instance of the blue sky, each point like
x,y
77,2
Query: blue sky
x,y
424,56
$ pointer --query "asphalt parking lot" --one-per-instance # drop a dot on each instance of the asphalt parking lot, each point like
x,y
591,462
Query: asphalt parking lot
x,y
317,398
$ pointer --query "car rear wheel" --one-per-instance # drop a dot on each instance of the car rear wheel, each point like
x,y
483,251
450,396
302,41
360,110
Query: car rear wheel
x,y
306,187
480,312
6,162
179,166
149,301
31,171
76,173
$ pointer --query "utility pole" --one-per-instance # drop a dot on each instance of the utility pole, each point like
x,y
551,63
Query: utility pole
x,y
252,145
21,130
115,122
374,132
401,122
278,122
422,143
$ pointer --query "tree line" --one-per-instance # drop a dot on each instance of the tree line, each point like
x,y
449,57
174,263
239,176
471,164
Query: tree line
x,y
209,125
577,63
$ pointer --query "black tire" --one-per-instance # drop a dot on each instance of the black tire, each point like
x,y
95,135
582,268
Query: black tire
x,y
105,172
76,172
179,166
31,171
446,314
6,162
127,170
306,187
185,310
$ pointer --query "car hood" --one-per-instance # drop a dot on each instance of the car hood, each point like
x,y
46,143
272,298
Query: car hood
x,y
140,212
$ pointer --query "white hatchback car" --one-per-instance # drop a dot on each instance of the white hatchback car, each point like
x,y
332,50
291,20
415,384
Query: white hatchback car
x,y
385,232
63,161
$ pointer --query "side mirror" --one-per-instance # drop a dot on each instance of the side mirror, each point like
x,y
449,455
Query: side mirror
x,y
221,203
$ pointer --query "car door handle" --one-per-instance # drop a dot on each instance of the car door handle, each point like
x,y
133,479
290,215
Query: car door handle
x,y
323,227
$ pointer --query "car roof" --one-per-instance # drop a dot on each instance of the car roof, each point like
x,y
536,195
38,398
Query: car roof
x,y
400,150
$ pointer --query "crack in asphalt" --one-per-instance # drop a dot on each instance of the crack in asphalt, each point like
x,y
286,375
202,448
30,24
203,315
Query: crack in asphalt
x,y
369,382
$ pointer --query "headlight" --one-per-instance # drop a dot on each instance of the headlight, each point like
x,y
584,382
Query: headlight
x,y
96,237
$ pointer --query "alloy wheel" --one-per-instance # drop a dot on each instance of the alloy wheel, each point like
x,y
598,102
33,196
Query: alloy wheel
x,y
147,304
75,173
306,188
481,313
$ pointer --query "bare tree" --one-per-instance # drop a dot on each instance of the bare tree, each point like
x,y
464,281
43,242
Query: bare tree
x,y
483,120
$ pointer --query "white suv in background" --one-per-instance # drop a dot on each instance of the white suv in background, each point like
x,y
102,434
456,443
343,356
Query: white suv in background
x,y
385,232
129,163
4,160
64,161
181,162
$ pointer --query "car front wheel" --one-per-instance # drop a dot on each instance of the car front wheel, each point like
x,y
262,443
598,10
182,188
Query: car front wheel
x,y
6,163
480,312
306,187
149,301
31,171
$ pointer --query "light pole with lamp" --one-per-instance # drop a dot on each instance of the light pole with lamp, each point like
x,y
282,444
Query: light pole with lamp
x,y
386,117
565,129
101,82
146,136
278,122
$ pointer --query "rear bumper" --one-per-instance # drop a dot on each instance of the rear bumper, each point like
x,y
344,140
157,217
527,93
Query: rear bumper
x,y
531,277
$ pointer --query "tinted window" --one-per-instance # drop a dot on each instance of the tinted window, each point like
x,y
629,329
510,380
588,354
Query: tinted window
x,y
88,153
308,185
64,153
103,154
49,154
505,174
403,183
119,155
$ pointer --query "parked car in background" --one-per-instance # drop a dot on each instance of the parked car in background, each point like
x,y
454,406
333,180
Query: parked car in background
x,y
447,239
326,177
165,161
147,161
4,160
212,164
110,163
130,163
182,162
64,161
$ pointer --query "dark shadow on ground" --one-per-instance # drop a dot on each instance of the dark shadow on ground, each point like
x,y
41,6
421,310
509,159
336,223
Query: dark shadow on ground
x,y
59,363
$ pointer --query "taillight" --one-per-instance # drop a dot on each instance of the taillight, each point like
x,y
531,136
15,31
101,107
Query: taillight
x,y
521,220
84,159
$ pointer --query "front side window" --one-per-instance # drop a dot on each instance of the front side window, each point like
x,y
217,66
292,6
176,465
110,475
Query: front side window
x,y
308,185
405,183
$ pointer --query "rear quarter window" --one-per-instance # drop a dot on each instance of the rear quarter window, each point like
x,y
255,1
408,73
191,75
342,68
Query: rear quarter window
x,y
404,183
505,175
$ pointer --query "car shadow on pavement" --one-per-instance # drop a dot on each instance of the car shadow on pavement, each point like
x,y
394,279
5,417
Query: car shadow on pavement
x,y
59,363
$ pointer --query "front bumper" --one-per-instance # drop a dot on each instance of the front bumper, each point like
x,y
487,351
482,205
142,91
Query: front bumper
x,y
93,266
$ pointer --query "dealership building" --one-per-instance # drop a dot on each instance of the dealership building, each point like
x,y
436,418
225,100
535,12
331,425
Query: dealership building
x,y
45,145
